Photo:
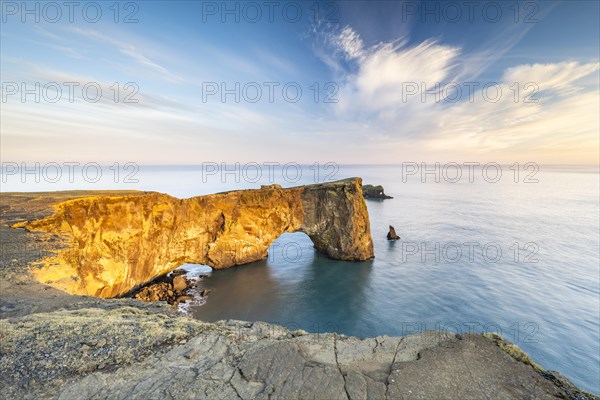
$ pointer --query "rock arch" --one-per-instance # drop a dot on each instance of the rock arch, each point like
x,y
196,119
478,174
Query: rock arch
x,y
116,243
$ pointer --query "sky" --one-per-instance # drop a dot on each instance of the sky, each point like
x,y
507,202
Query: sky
x,y
187,82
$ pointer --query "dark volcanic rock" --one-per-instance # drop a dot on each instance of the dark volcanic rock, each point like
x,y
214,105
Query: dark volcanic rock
x,y
166,288
179,272
374,192
392,234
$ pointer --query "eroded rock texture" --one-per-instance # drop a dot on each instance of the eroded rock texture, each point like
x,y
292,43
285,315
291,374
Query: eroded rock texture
x,y
127,353
116,243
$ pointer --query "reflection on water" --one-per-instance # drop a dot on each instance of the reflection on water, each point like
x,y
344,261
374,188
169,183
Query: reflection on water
x,y
248,292
294,286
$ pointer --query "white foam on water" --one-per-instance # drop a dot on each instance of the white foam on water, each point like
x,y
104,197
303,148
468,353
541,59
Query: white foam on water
x,y
193,274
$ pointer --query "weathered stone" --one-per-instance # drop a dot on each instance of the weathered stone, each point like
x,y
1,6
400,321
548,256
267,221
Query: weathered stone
x,y
179,283
116,243
273,186
392,234
234,359
374,192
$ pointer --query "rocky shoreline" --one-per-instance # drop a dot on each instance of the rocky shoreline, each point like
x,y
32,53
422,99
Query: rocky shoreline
x,y
174,288
59,346
129,352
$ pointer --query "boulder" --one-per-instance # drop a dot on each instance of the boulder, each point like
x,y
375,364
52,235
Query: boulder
x,y
179,283
182,299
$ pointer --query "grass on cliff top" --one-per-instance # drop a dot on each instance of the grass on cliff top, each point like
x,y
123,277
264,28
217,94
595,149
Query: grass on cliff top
x,y
513,350
48,347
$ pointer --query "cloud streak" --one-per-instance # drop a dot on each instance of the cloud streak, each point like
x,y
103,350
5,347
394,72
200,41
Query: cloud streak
x,y
131,51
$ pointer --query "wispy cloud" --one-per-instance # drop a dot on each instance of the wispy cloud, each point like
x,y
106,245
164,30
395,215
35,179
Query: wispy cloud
x,y
350,43
560,78
131,51
143,60
374,91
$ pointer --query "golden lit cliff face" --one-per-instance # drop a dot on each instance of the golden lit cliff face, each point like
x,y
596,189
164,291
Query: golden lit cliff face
x,y
116,243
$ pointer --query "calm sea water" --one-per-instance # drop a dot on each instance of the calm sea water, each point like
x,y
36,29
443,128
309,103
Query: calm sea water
x,y
521,259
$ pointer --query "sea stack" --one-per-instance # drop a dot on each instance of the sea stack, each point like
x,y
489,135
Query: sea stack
x,y
374,192
392,234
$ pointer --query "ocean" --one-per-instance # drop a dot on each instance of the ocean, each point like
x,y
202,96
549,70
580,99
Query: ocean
x,y
506,249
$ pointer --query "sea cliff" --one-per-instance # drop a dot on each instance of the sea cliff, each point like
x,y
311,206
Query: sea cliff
x,y
55,345
115,243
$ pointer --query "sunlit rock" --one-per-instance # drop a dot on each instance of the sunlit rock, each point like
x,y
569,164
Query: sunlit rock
x,y
116,243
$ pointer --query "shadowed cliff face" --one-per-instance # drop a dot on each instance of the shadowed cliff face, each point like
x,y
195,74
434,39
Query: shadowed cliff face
x,y
116,243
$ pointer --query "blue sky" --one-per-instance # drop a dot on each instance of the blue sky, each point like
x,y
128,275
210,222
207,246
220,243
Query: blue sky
x,y
368,63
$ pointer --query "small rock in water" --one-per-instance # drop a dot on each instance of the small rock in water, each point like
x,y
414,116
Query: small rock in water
x,y
374,192
392,234
178,272
204,293
181,299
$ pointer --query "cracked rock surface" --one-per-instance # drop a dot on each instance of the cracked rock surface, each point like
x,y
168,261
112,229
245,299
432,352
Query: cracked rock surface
x,y
154,356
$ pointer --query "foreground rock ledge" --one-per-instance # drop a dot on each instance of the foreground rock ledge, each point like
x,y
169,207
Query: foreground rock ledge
x,y
116,243
128,353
